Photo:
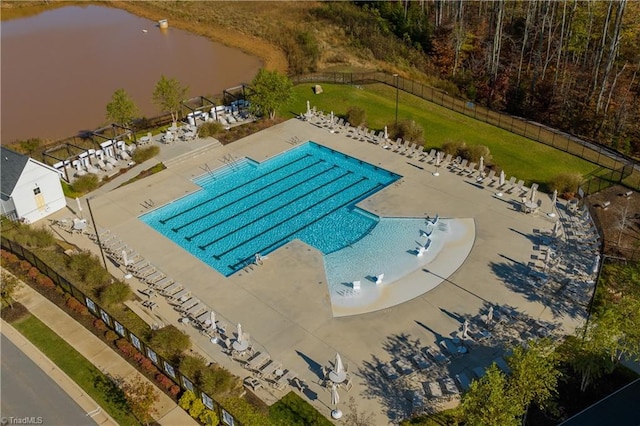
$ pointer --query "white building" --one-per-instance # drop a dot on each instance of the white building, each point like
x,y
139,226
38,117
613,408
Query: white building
x,y
30,190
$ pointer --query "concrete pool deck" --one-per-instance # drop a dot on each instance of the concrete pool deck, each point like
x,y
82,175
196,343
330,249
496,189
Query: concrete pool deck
x,y
285,304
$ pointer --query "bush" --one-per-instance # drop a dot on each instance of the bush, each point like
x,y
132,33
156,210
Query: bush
x,y
474,152
32,237
147,366
174,391
126,348
454,148
33,274
85,184
99,325
141,155
24,267
186,400
110,335
210,128
89,269
566,184
113,294
356,116
209,418
8,258
192,365
164,381
197,407
169,341
45,282
74,305
216,380
408,130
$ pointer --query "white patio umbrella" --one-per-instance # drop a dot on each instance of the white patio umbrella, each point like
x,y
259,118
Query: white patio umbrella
x,y
335,399
502,177
481,165
308,108
596,264
125,259
490,314
438,158
465,329
556,229
212,318
386,133
239,331
338,367
532,195
379,278
554,198
79,207
331,118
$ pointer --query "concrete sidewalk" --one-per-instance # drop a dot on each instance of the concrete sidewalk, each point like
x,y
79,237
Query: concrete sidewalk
x,y
97,352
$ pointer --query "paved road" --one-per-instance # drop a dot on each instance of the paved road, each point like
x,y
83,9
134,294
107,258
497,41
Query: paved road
x,y
27,391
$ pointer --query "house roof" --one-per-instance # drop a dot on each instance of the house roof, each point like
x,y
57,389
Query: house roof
x,y
11,166
620,409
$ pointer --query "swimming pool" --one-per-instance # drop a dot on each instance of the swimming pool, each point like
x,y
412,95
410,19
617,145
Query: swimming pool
x,y
248,208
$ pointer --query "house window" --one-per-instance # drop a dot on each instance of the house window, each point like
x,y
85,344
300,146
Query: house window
x,y
36,190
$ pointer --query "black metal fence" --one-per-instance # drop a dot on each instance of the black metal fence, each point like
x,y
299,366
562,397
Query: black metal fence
x,y
98,311
589,151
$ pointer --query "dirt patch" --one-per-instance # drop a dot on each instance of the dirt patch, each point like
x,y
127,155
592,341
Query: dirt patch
x,y
616,210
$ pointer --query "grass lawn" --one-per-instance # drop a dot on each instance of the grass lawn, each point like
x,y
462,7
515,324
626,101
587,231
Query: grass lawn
x,y
516,155
81,371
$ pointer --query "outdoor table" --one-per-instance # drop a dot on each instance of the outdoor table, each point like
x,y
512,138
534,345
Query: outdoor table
x,y
337,377
240,346
79,224
278,372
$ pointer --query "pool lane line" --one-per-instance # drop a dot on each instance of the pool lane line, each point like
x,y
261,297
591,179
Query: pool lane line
x,y
203,247
220,222
164,221
262,188
270,247
261,232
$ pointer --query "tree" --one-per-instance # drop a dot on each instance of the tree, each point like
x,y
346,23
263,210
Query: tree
x,y
121,110
269,91
534,373
141,397
168,95
489,402
8,288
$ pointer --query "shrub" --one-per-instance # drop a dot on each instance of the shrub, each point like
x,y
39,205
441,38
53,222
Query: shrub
x,y
33,274
110,335
210,128
164,381
474,152
409,130
147,366
209,417
356,116
216,380
77,307
85,184
174,390
9,258
89,269
566,184
138,357
99,325
169,341
186,400
34,237
192,365
197,407
24,267
45,282
113,294
454,148
126,348
141,155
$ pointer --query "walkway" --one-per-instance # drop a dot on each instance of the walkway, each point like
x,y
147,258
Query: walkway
x,y
93,349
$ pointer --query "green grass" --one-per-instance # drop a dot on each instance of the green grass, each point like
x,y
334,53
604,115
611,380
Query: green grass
x,y
516,155
291,410
78,368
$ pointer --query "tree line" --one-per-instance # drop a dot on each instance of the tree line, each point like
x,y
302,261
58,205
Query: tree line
x,y
569,64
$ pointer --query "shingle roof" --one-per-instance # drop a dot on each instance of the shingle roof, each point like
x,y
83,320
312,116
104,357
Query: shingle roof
x,y
11,166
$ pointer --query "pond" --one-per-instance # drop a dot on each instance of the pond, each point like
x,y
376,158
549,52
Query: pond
x,y
61,67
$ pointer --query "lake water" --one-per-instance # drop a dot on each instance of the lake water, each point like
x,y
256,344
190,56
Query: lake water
x,y
60,68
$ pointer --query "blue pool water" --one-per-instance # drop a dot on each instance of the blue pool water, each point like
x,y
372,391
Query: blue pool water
x,y
307,193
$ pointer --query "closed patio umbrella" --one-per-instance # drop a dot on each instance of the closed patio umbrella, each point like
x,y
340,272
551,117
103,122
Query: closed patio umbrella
x,y
335,398
212,318
490,314
338,367
465,329
481,166
308,108
502,177
239,331
386,134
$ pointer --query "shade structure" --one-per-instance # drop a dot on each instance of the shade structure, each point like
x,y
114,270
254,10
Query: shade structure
x,y
239,331
338,367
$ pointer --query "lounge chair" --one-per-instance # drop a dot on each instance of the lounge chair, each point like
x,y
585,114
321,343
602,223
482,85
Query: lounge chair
x,y
436,355
447,159
489,178
508,184
463,381
469,170
462,167
172,289
517,187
